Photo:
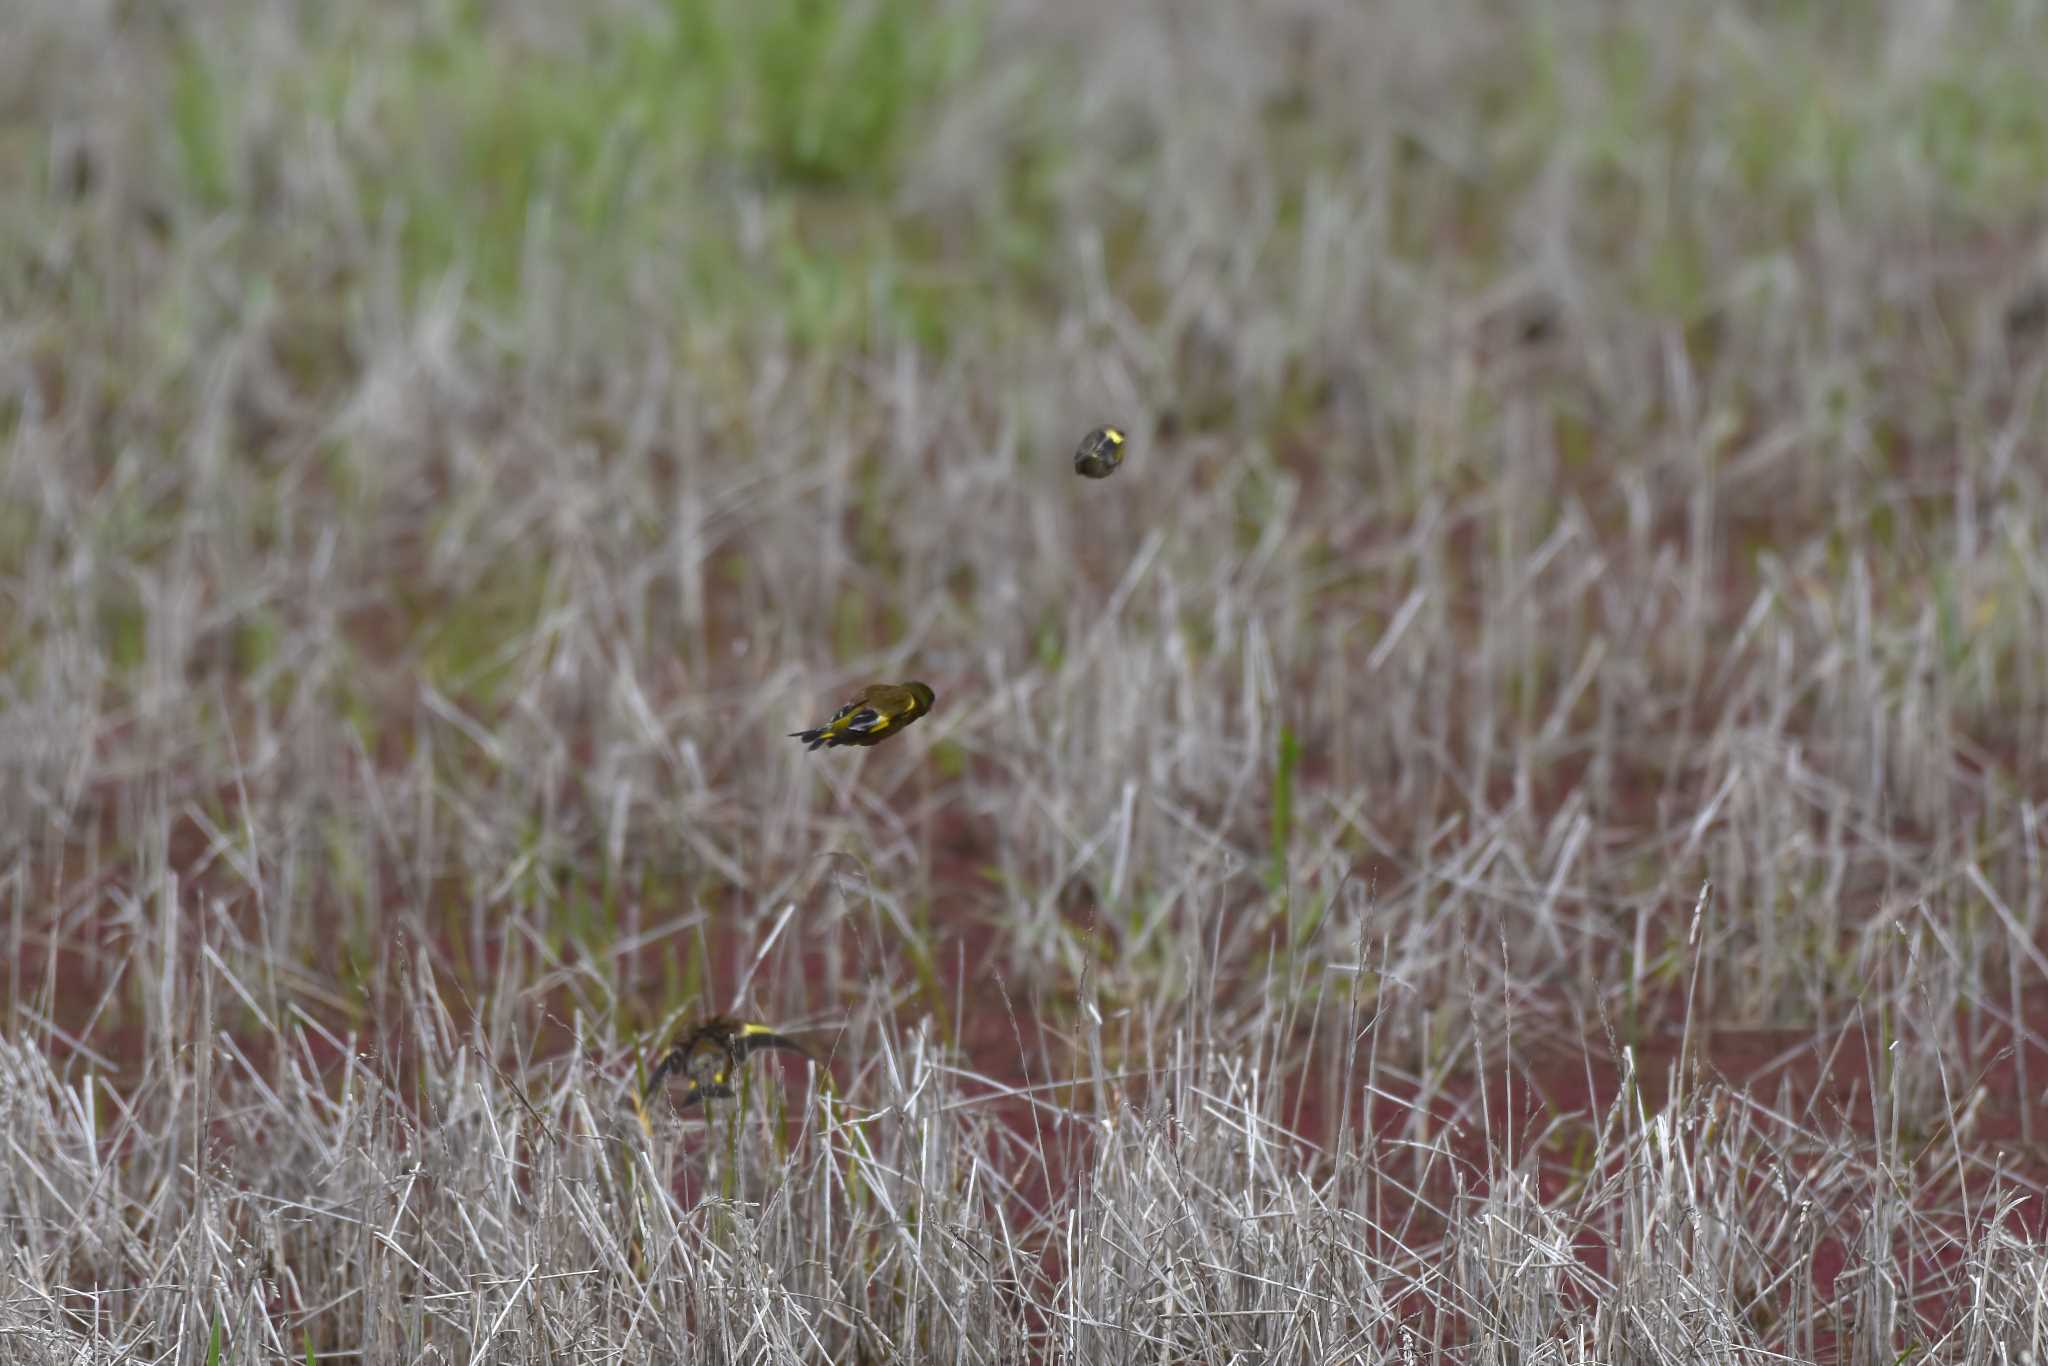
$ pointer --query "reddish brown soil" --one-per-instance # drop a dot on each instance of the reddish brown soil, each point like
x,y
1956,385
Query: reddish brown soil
x,y
1555,1093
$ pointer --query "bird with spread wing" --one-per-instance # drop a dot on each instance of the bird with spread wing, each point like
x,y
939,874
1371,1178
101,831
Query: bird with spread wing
x,y
710,1052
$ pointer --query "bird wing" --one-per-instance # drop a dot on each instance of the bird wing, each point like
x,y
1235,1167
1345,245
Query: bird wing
x,y
867,721
755,1037
894,702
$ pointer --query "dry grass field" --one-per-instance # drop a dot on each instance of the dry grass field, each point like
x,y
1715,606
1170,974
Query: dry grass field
x,y
1511,830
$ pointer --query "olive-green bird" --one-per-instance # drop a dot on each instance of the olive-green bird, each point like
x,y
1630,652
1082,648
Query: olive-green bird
x,y
710,1052
879,712
1099,453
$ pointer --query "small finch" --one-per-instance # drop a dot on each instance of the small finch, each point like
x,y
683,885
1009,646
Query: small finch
x,y
1099,453
711,1051
877,713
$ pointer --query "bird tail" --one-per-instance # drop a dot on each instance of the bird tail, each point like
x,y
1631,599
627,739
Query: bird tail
x,y
813,739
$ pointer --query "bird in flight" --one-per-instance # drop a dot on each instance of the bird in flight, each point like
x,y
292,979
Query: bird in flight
x,y
1099,453
711,1051
877,713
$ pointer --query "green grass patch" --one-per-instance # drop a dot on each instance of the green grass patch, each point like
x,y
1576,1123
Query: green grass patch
x,y
1286,758
471,641
198,124
632,144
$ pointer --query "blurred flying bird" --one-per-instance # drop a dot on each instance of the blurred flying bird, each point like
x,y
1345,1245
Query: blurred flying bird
x,y
710,1052
1099,453
877,713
